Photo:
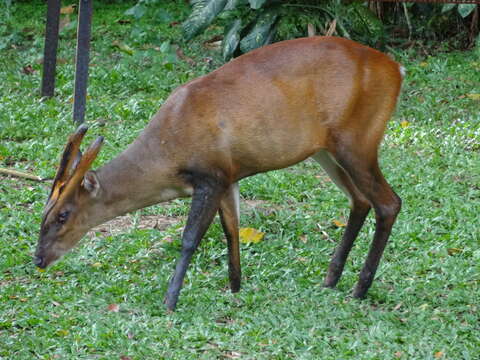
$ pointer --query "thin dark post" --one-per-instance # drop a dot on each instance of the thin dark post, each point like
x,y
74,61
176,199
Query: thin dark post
x,y
50,49
82,58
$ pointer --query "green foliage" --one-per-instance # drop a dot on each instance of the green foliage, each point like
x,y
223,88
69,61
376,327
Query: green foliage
x,y
262,32
463,9
203,13
231,39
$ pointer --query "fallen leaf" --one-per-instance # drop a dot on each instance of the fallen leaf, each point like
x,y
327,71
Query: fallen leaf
x,y
29,70
475,97
398,306
40,269
453,251
398,354
114,308
54,303
424,64
97,265
338,223
250,236
438,354
310,30
23,299
187,59
67,9
124,357
123,47
232,355
64,22
62,332
404,124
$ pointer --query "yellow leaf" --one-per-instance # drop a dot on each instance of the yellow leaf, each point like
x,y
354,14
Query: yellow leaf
x,y
424,64
123,47
474,97
62,332
438,354
453,251
97,265
67,9
338,223
250,235
404,124
40,269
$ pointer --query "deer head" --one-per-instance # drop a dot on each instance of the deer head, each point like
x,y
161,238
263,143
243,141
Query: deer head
x,y
74,190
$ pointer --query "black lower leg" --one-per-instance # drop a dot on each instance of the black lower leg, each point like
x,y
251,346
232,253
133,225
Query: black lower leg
x,y
385,220
205,203
355,223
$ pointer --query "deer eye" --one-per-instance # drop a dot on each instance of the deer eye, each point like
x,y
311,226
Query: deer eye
x,y
63,216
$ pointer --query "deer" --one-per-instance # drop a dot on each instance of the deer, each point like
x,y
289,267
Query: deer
x,y
325,98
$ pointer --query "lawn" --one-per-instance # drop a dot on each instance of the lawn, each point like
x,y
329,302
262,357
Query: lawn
x,y
104,299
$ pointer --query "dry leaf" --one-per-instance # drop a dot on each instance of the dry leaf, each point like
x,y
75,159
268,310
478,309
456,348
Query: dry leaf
x,y
97,265
187,59
62,332
29,70
338,223
67,10
310,30
64,22
404,124
123,47
438,354
453,251
398,354
232,355
250,236
474,97
124,357
113,308
424,64
40,269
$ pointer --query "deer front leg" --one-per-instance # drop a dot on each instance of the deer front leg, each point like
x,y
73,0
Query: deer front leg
x,y
229,216
205,202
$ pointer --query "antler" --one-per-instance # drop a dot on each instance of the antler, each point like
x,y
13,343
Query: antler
x,y
73,167
71,152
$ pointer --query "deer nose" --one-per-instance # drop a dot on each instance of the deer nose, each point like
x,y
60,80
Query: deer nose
x,y
38,261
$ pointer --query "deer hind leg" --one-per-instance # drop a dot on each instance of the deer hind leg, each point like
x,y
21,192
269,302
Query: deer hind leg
x,y
207,194
229,215
368,179
359,208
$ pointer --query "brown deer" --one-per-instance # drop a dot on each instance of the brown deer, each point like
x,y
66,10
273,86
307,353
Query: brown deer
x,y
322,97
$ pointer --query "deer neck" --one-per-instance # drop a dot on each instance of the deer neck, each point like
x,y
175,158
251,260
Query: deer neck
x,y
140,176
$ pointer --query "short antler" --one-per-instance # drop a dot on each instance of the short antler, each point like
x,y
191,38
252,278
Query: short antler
x,y
73,167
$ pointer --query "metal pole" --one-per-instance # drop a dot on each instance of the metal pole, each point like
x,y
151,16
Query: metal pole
x,y
50,49
82,59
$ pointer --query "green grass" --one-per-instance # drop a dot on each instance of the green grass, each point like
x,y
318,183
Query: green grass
x,y
423,304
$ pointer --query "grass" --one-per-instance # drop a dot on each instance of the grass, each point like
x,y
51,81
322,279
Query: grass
x,y
424,303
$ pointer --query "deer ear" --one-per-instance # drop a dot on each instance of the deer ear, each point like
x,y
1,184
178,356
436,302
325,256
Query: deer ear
x,y
90,183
